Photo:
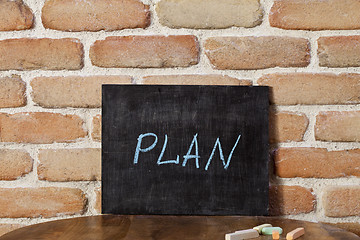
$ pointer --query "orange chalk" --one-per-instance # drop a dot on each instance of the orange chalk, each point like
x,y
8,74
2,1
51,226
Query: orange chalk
x,y
275,235
294,234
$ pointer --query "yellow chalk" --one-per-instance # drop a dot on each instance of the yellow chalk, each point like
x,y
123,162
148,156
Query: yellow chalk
x,y
260,227
294,234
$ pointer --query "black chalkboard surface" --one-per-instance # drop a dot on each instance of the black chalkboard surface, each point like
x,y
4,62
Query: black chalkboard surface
x,y
184,150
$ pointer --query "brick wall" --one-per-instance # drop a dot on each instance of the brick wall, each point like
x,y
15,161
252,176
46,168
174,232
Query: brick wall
x,y
55,54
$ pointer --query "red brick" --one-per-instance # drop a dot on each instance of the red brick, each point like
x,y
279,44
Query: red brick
x,y
291,200
96,130
145,51
315,14
73,91
5,228
95,15
40,127
316,163
98,200
70,164
209,14
242,53
15,15
41,202
44,53
12,92
287,126
342,201
342,51
347,226
14,164
195,80
312,88
338,126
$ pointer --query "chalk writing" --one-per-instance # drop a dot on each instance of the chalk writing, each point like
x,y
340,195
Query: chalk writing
x,y
196,156
159,162
217,143
194,145
138,147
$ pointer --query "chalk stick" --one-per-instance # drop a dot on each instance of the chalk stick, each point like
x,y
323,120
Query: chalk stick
x,y
244,234
260,227
294,234
275,235
269,230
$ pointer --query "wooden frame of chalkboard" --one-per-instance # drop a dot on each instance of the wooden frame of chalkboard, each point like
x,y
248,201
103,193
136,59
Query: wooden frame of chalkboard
x,y
185,150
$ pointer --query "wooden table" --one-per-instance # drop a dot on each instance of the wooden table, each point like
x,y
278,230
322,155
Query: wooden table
x,y
166,228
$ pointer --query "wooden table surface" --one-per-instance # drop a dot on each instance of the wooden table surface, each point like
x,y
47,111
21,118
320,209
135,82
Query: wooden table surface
x,y
167,228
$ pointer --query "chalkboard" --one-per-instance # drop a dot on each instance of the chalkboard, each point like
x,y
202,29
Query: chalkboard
x,y
184,150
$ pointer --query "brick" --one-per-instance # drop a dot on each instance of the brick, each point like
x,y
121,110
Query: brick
x,y
145,51
287,126
209,14
12,92
5,228
290,200
41,202
40,127
44,53
342,51
15,15
246,53
98,200
347,226
312,88
96,130
95,15
195,80
14,164
73,91
342,201
315,14
338,126
70,164
316,163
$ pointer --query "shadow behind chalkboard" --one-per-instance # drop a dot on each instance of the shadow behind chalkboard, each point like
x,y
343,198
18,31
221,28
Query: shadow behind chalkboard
x,y
181,116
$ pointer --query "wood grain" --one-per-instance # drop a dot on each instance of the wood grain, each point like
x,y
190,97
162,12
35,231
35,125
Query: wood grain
x,y
167,228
